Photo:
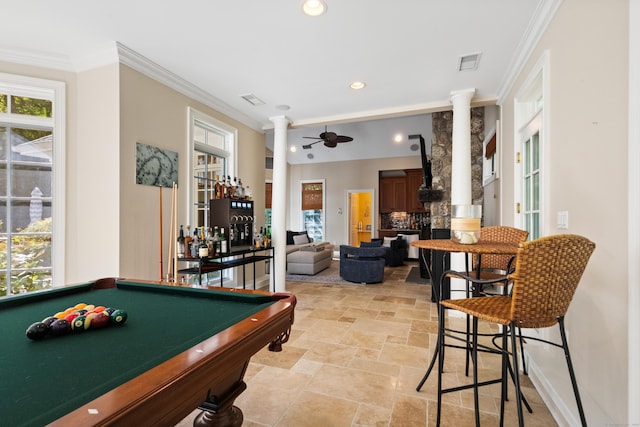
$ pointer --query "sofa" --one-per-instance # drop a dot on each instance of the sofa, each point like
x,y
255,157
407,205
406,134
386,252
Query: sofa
x,y
300,239
305,256
362,265
396,249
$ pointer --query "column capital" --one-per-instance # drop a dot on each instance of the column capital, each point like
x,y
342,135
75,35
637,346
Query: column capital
x,y
280,120
463,95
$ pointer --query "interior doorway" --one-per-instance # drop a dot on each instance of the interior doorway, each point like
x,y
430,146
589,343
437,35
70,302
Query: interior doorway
x,y
360,219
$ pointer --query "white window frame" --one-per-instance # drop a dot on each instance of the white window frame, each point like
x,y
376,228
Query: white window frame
x,y
55,91
533,101
229,153
324,204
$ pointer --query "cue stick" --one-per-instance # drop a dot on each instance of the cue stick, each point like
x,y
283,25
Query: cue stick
x,y
161,255
170,237
175,232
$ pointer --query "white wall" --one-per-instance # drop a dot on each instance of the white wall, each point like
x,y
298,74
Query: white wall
x,y
588,46
340,177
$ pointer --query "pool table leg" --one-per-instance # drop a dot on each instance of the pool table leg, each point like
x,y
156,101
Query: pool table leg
x,y
221,412
231,417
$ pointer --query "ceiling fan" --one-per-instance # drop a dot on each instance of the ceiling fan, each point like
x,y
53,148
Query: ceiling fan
x,y
330,139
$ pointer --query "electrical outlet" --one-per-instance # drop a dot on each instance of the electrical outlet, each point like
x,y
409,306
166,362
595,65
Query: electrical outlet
x,y
563,220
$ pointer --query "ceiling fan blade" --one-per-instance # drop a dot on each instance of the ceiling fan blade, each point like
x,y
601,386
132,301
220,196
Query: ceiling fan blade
x,y
312,137
342,138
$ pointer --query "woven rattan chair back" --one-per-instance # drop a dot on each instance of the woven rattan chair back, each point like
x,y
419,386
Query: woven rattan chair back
x,y
504,234
546,276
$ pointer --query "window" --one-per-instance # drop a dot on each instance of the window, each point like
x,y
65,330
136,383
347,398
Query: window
x,y
268,186
531,148
531,183
31,162
213,147
312,209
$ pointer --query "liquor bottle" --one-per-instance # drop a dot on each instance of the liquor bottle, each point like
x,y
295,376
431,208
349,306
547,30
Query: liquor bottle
x,y
217,188
223,242
181,243
229,191
195,244
234,188
239,190
223,189
210,242
187,242
203,250
214,241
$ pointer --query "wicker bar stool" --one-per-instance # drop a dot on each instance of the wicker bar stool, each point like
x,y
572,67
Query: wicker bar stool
x,y
547,273
495,266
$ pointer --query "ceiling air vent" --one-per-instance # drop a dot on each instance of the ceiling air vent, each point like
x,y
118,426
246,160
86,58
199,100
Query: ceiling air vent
x,y
469,62
252,99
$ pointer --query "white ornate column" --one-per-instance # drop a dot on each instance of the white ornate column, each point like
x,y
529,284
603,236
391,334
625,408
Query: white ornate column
x,y
460,168
461,147
278,204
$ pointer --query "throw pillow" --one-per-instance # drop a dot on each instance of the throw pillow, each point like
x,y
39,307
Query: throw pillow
x,y
388,240
300,239
290,235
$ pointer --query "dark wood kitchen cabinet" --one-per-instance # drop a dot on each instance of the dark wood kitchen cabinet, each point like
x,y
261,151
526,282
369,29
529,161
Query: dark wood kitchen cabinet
x,y
393,194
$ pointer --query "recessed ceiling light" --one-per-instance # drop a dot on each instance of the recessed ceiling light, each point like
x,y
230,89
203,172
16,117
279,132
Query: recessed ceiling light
x,y
357,85
397,138
293,149
314,7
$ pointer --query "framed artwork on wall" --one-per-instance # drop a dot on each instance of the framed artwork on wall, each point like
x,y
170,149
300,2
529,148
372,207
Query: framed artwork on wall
x,y
155,166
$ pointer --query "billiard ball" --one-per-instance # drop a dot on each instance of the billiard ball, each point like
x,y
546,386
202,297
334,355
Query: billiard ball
x,y
49,320
78,324
118,317
109,310
100,320
81,312
69,317
60,327
37,331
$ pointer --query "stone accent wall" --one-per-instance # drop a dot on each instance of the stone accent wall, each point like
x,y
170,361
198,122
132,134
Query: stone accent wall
x,y
441,142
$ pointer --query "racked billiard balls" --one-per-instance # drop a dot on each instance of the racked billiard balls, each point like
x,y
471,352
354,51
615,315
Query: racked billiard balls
x,y
60,327
37,331
118,317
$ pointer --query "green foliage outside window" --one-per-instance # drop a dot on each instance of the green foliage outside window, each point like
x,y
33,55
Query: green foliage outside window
x,y
29,252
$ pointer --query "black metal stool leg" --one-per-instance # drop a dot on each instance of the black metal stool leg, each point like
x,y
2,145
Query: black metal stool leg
x,y
440,361
516,376
474,357
565,347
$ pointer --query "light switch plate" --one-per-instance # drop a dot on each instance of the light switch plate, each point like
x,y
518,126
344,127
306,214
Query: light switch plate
x,y
563,220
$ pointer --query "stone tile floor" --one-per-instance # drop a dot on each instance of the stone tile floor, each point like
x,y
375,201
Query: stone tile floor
x,y
355,357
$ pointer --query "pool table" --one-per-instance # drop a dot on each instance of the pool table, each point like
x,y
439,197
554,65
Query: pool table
x,y
180,348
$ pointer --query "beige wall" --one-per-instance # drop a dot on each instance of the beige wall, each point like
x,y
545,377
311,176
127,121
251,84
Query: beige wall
x,y
587,173
155,114
340,177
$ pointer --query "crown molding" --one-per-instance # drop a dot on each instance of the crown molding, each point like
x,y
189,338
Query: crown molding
x,y
149,68
36,58
113,53
544,14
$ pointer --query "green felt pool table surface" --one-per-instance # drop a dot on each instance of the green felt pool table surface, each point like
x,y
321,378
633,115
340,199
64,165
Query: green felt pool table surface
x,y
43,380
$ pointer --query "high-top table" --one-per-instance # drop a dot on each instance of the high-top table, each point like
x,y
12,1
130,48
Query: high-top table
x,y
482,247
